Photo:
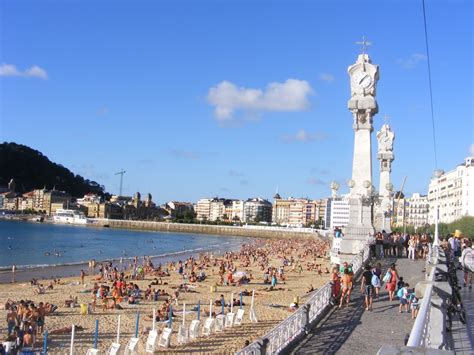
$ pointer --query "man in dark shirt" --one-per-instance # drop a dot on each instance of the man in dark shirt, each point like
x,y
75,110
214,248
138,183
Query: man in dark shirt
x,y
366,287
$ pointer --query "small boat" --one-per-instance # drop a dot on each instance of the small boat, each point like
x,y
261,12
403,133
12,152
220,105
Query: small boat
x,y
70,217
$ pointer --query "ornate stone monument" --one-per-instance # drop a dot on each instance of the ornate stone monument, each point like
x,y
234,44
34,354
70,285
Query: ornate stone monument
x,y
385,138
363,106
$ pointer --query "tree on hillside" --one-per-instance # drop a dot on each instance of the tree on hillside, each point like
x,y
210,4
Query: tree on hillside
x,y
32,170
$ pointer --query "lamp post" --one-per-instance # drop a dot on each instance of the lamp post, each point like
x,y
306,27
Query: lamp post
x,y
437,174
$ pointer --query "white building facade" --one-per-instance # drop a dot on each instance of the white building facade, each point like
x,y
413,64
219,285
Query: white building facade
x,y
338,211
455,190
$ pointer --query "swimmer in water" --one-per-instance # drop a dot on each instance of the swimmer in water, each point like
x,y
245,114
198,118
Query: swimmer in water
x,y
10,247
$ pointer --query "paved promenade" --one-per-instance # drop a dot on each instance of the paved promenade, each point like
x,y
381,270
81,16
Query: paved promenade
x,y
352,330
463,335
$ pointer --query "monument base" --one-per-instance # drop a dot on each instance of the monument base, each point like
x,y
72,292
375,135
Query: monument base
x,y
355,235
382,223
354,239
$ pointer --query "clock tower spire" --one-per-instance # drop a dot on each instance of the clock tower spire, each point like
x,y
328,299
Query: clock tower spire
x,y
363,107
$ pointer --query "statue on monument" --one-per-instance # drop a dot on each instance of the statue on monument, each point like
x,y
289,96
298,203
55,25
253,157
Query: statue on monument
x,y
385,139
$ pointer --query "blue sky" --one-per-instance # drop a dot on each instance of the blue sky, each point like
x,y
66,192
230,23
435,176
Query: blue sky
x,y
231,98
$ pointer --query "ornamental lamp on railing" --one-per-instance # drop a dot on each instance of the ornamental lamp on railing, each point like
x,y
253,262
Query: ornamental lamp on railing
x,y
437,174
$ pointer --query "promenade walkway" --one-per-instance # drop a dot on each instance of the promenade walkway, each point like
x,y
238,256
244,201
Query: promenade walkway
x,y
463,335
352,330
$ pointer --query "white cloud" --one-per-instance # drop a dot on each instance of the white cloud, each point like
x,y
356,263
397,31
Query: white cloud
x,y
315,181
184,154
471,150
235,173
303,136
226,97
33,72
102,111
326,77
411,61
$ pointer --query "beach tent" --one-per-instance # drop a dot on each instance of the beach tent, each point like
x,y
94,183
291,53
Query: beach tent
x,y
229,319
150,345
194,329
253,315
131,348
208,325
115,347
165,338
183,333
219,323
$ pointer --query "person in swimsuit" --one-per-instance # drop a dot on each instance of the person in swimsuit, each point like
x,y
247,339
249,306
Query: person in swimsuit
x,y
346,281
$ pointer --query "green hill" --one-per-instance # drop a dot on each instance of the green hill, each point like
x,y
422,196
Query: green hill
x,y
32,170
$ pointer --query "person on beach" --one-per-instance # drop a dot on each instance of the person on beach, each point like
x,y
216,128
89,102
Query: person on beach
x,y
12,319
28,339
83,274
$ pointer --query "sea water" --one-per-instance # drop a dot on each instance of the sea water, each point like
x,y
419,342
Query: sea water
x,y
36,245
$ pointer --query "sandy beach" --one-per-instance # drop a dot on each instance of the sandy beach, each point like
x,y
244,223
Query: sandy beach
x,y
301,256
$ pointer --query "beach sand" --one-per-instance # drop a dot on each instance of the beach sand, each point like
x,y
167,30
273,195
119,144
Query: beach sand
x,y
226,342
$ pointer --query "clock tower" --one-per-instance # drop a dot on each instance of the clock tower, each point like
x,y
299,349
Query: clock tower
x,y
363,106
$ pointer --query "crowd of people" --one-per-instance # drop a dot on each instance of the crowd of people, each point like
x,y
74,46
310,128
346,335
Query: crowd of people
x,y
25,320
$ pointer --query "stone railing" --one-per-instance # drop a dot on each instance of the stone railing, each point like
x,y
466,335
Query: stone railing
x,y
429,328
420,333
300,322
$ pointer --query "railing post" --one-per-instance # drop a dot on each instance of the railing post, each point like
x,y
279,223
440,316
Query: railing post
x,y
262,346
306,324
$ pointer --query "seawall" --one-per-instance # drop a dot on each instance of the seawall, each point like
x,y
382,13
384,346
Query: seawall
x,y
205,229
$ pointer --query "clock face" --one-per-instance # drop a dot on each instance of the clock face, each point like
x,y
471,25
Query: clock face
x,y
362,79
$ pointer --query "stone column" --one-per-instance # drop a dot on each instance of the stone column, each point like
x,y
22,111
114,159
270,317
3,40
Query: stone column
x,y
385,138
363,106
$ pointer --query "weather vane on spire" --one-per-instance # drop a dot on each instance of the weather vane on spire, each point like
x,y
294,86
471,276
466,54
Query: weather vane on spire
x,y
364,44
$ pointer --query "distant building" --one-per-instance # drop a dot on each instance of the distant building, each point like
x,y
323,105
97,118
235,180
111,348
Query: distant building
x,y
417,210
149,201
217,209
297,212
26,201
257,210
203,209
235,211
337,211
455,191
88,199
178,209
10,201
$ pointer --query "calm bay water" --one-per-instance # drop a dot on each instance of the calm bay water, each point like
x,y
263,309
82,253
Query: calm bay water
x,y
29,245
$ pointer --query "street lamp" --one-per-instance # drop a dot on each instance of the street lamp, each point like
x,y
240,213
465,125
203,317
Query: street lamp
x,y
437,174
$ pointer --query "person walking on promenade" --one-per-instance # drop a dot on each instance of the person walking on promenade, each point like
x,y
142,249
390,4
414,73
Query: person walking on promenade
x,y
402,294
377,274
391,278
346,281
467,263
411,248
366,287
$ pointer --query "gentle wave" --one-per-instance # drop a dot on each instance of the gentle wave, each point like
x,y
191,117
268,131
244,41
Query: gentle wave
x,y
85,262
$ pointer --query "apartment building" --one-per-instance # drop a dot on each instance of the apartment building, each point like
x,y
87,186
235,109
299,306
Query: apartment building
x,y
455,191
